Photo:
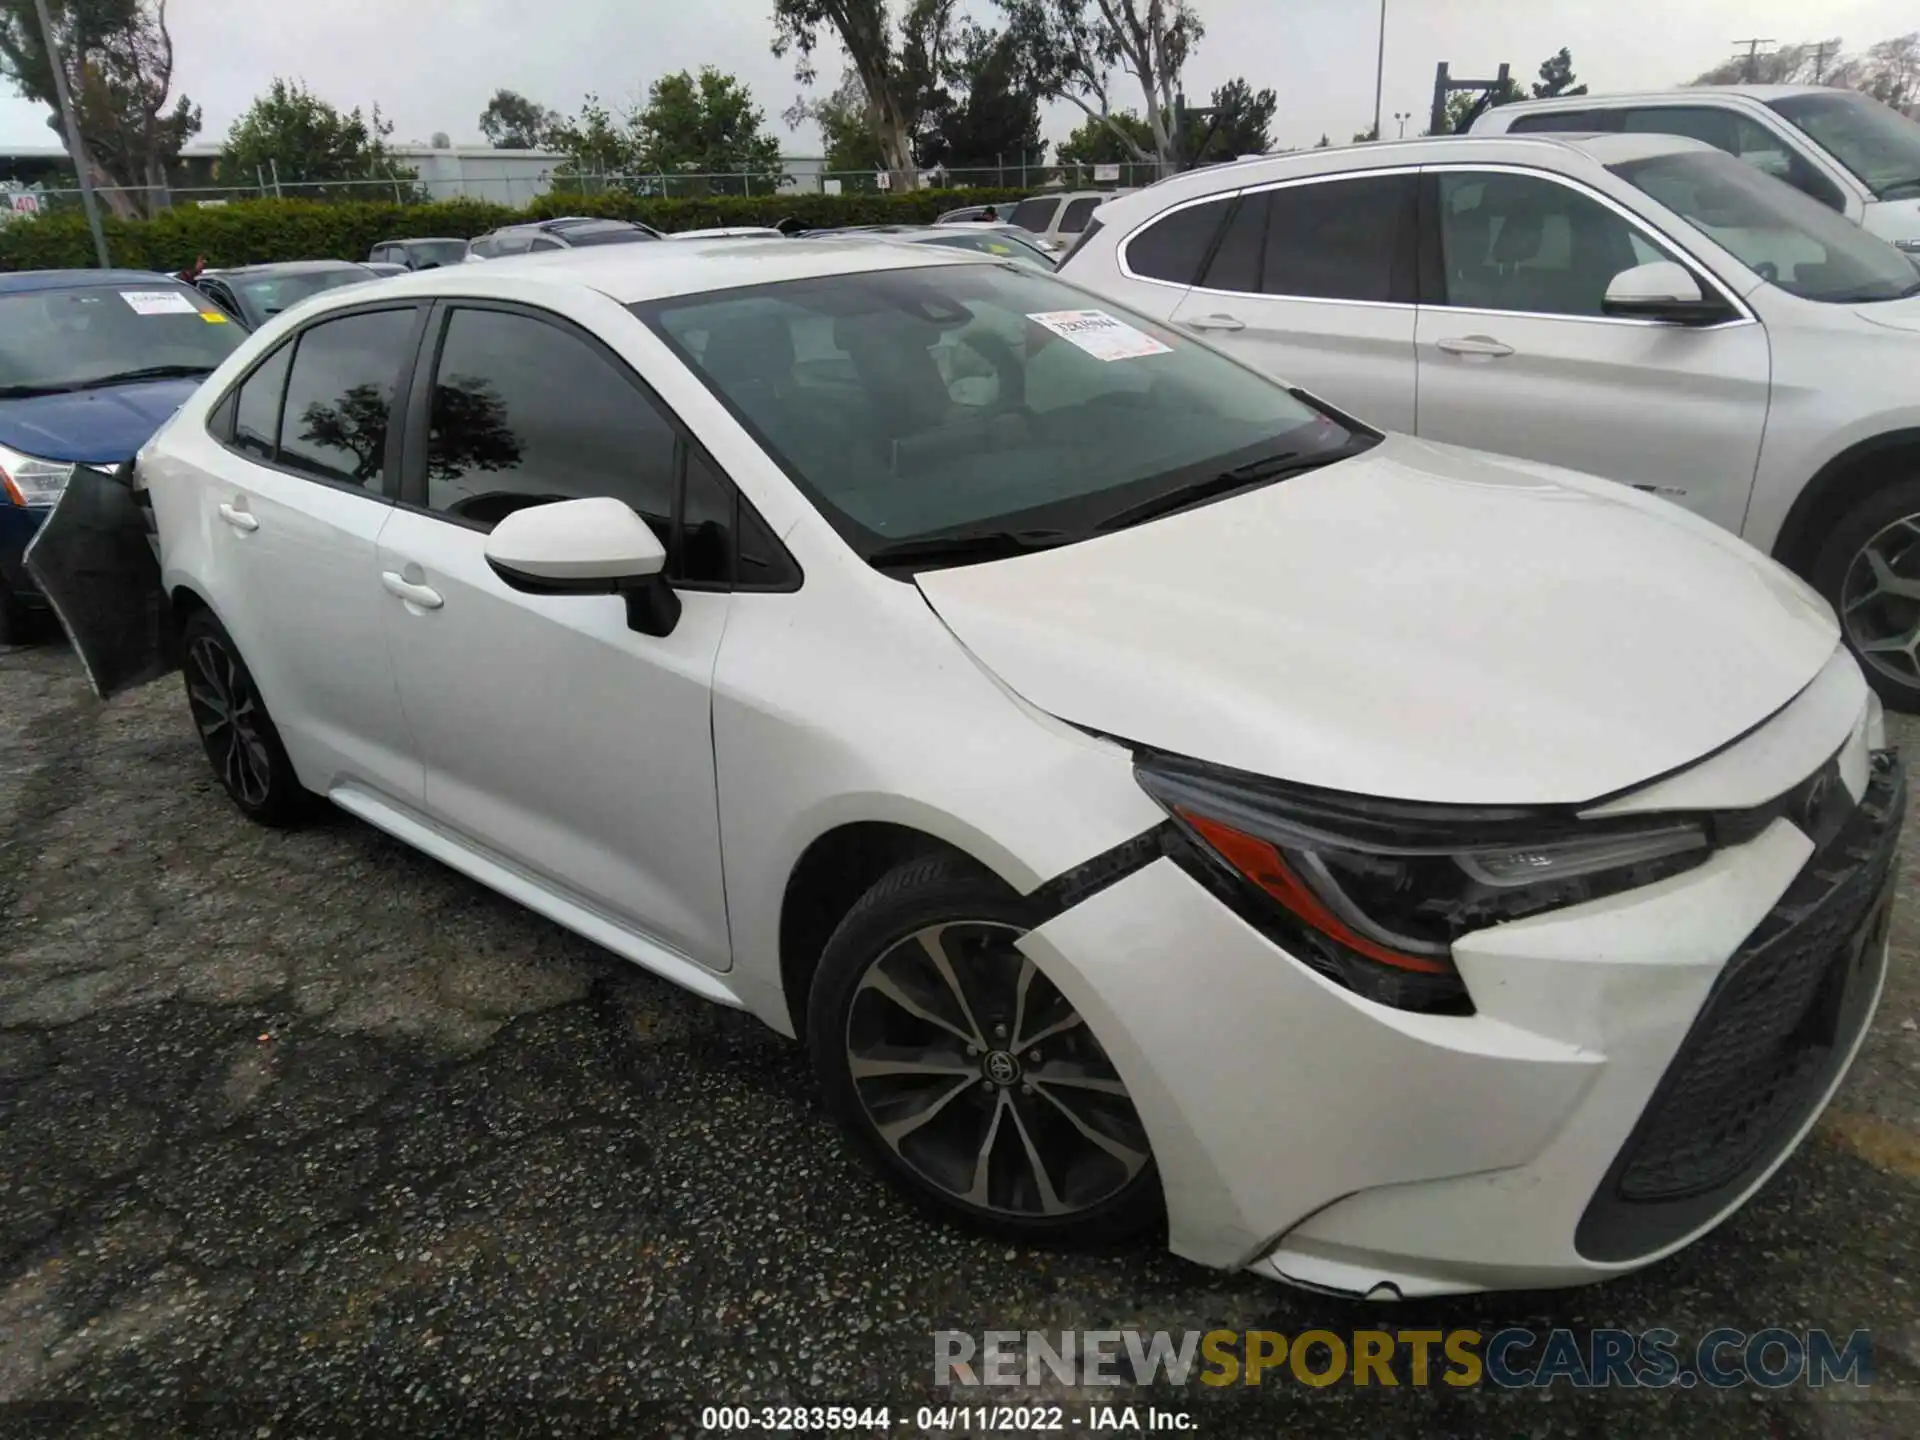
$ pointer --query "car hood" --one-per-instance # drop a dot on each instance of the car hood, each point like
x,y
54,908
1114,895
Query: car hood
x,y
1421,622
94,427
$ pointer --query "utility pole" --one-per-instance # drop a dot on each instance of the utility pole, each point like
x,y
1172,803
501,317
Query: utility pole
x,y
1753,52
1380,69
1820,54
74,144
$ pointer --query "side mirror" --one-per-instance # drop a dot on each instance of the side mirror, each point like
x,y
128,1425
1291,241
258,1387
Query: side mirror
x,y
1661,290
594,546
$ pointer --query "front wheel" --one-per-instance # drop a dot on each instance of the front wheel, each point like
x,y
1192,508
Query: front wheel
x,y
1869,571
964,1075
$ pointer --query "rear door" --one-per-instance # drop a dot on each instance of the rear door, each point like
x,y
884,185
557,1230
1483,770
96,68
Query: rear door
x,y
1313,281
288,503
1518,356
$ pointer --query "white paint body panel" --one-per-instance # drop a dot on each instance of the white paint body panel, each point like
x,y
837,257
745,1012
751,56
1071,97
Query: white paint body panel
x,y
1420,623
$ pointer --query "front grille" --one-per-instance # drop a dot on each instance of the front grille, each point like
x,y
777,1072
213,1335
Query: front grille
x,y
1778,1025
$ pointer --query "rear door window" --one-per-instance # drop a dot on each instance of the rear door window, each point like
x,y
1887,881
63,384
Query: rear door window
x,y
1345,239
1173,247
1074,218
1035,215
256,424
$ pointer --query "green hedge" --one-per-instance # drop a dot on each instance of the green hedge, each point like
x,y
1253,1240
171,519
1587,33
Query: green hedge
x,y
248,232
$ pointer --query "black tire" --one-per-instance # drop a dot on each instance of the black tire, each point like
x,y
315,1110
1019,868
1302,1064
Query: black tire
x,y
247,757
1842,573
1106,1198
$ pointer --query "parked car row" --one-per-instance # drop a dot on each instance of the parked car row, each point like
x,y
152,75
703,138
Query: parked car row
x,y
1154,790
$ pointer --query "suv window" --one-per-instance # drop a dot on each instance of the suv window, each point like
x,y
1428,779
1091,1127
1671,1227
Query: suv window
x,y
1074,218
544,242
1740,137
1518,242
1172,247
1565,122
256,421
1035,214
1346,239
340,396
512,242
524,412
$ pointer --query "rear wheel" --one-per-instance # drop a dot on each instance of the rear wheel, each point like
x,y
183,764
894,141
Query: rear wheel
x,y
240,739
964,1075
1869,570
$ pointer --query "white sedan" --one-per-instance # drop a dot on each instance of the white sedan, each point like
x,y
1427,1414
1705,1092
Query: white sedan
x,y
1143,789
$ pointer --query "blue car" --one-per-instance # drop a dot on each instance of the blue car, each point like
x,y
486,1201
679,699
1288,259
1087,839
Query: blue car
x,y
91,363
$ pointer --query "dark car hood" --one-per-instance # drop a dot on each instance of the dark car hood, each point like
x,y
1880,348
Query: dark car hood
x,y
94,427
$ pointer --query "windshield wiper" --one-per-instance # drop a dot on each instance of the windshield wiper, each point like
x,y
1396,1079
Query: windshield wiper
x,y
967,545
146,372
1267,467
28,392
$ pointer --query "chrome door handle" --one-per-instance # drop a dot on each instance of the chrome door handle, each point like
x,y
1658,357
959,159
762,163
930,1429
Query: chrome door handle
x,y
425,596
1482,345
239,519
1214,322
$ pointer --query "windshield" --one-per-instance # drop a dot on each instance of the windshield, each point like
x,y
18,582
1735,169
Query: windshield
x,y
1878,144
438,252
270,294
53,340
908,403
610,235
1774,230
993,242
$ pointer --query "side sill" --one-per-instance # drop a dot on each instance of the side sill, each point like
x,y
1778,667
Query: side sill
x,y
515,884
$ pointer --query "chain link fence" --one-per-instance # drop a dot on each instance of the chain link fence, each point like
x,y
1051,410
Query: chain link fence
x,y
799,175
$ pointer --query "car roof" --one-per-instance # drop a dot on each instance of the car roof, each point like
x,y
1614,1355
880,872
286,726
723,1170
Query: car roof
x,y
284,267
1762,93
633,273
22,281
425,240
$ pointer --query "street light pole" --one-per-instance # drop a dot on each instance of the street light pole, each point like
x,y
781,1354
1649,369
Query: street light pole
x,y
1379,68
74,145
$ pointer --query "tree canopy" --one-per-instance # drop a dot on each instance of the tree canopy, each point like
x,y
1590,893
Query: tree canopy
x,y
513,122
703,124
117,56
291,132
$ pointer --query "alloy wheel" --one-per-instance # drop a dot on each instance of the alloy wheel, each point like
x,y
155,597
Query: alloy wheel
x,y
981,1077
228,714
1880,600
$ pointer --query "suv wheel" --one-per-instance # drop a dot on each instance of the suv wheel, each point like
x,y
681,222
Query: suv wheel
x,y
1869,570
240,739
963,1075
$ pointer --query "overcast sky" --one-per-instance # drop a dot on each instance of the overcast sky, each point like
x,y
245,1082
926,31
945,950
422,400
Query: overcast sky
x,y
432,64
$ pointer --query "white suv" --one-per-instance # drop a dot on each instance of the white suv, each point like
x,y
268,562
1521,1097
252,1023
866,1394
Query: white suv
x,y
1419,872
1642,307
1847,150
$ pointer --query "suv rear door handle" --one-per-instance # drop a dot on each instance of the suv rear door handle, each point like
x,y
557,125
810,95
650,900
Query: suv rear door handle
x,y
239,519
1482,345
425,596
1214,322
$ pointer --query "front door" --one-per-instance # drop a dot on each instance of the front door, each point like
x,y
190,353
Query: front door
x,y
1313,282
555,737
1517,355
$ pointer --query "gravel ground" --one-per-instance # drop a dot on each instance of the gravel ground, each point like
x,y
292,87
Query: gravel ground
x,y
303,1133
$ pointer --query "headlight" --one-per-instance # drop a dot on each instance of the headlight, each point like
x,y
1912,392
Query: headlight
x,y
1373,893
32,481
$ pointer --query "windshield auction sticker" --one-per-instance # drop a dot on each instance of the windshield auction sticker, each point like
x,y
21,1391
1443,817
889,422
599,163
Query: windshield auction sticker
x,y
159,302
1099,334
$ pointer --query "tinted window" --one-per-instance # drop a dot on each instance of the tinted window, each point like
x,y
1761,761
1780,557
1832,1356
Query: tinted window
x,y
1740,137
484,247
524,412
1514,242
1236,264
605,235
1034,214
906,402
1877,143
1565,122
1074,218
257,415
340,395
1778,233
543,243
1174,245
1340,239
707,524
